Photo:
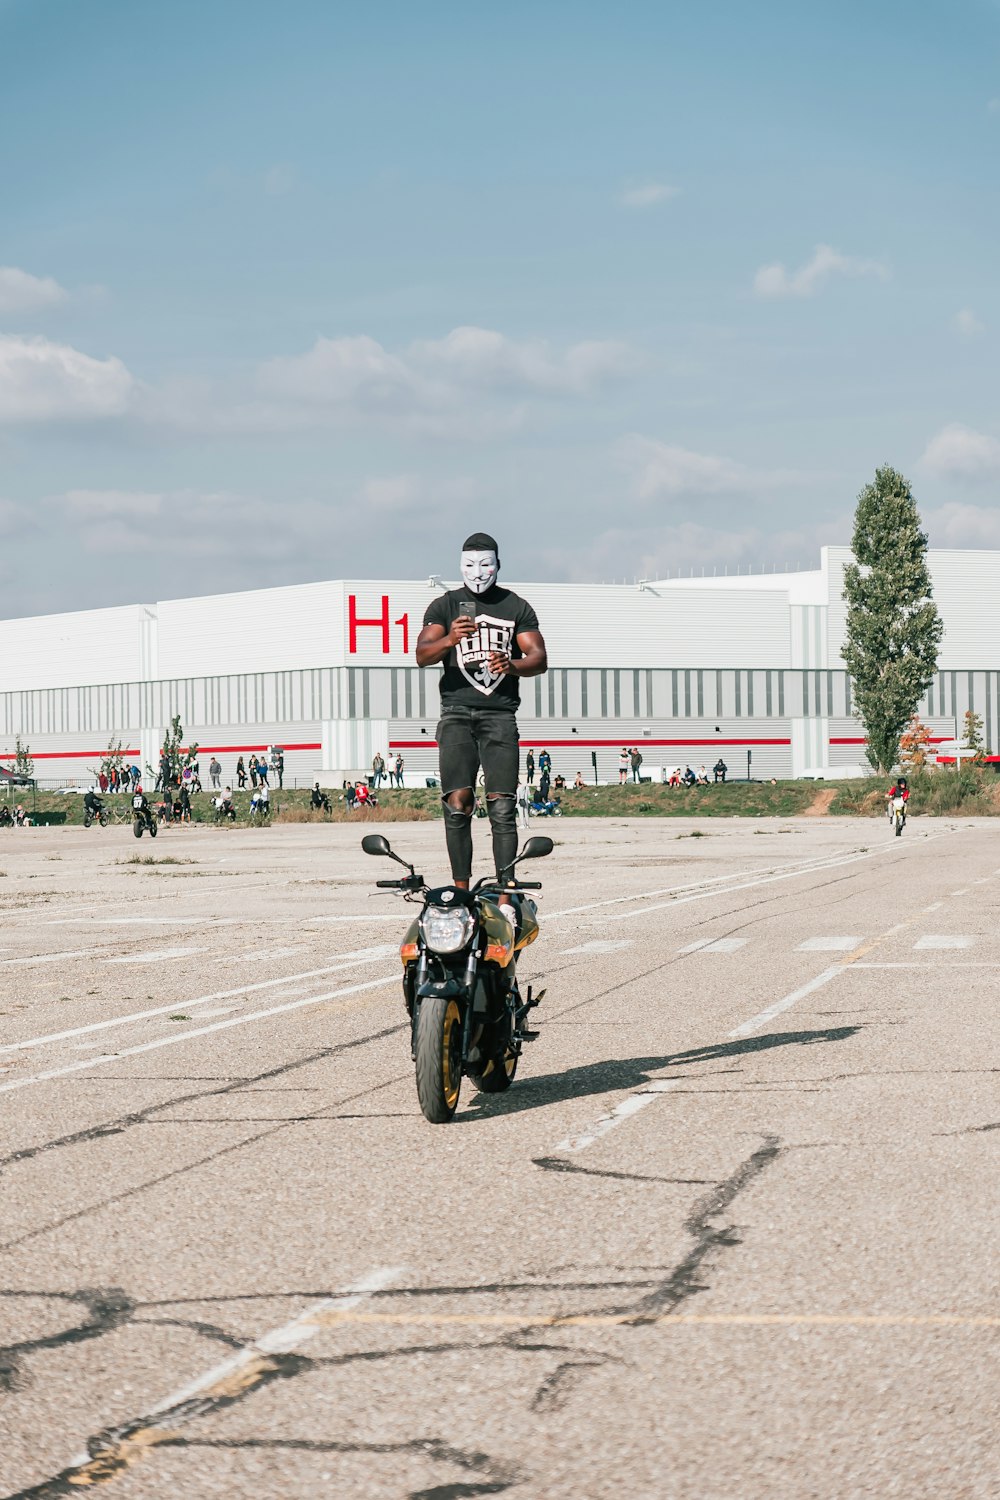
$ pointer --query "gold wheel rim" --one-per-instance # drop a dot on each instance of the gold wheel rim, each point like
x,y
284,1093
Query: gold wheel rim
x,y
452,1079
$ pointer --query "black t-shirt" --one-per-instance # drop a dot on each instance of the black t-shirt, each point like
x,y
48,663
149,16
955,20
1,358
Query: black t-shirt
x,y
501,616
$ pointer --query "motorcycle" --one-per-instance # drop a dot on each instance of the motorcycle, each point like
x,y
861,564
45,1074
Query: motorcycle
x,y
467,1012
100,814
142,819
897,813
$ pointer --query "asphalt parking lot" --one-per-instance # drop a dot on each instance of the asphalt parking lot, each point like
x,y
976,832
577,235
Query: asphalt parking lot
x,y
733,1232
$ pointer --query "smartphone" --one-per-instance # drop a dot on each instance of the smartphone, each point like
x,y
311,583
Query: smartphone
x,y
468,607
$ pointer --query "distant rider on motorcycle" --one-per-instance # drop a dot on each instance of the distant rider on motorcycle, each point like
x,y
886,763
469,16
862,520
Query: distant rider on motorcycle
x,y
899,788
92,803
486,638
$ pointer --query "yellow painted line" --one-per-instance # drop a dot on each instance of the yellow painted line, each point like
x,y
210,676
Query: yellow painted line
x,y
695,1320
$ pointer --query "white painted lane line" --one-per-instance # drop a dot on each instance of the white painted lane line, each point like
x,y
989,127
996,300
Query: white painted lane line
x,y
155,956
46,958
786,1002
715,945
185,1036
934,906
828,945
747,885
963,892
629,1106
599,945
943,940
346,961
183,1405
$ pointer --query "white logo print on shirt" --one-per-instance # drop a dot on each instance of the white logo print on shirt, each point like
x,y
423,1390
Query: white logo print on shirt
x,y
472,653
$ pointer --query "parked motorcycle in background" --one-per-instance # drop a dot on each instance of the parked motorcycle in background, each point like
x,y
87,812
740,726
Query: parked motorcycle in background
x,y
467,1011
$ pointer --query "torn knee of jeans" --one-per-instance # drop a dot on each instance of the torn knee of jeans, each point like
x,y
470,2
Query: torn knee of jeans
x,y
466,804
499,796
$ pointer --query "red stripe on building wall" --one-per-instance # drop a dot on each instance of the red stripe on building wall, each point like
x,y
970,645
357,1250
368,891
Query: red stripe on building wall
x,y
591,744
202,750
935,739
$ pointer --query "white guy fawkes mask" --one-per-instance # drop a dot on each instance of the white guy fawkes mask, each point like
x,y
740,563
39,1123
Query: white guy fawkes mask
x,y
479,570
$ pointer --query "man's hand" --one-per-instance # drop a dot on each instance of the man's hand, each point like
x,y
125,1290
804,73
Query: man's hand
x,y
461,628
499,663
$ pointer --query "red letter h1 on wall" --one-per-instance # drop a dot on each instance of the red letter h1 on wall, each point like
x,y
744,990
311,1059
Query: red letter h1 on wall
x,y
380,623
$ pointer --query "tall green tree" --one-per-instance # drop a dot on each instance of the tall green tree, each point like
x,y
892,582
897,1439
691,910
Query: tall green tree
x,y
893,626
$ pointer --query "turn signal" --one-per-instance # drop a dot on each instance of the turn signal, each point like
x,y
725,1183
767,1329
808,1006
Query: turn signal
x,y
408,951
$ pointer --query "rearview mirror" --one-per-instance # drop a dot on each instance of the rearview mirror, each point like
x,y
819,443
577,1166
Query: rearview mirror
x,y
536,847
376,843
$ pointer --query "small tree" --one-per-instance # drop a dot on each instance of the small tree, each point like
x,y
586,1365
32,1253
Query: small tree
x,y
972,735
24,764
112,759
172,748
913,745
893,626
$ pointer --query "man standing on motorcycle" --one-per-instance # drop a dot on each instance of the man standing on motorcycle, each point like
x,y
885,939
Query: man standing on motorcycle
x,y
486,638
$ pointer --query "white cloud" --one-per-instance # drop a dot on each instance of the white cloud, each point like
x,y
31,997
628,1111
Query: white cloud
x,y
961,453
967,324
663,469
775,280
471,383
959,525
41,381
645,195
20,292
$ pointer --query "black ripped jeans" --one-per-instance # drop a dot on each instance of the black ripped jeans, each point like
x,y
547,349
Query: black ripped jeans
x,y
467,739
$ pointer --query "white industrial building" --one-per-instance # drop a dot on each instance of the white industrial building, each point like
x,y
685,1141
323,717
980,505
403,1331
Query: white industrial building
x,y
687,668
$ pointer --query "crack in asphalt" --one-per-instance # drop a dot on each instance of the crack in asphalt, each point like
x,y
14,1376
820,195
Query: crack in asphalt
x,y
125,1122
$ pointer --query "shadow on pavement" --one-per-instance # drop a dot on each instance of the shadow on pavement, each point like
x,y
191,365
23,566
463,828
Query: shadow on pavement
x,y
619,1074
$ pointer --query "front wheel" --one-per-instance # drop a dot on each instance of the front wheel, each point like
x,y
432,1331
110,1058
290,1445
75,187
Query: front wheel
x,y
103,817
137,827
438,1057
152,830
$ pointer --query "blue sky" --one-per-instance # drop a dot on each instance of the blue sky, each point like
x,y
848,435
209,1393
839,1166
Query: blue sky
x,y
310,291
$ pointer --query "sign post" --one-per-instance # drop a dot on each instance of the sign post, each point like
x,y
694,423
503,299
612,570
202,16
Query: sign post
x,y
593,762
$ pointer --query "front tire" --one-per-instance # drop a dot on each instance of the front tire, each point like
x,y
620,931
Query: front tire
x,y
152,830
438,1058
137,828
103,817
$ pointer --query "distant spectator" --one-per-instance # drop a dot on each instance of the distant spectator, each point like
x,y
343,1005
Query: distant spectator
x,y
262,770
378,769
399,771
349,795
719,769
529,767
559,783
674,779
579,783
689,778
253,771
362,796
136,777
278,765
702,776
215,774
623,765
545,764
318,800
523,801
635,760
265,799
102,781
163,779
241,774
543,785
182,807
196,776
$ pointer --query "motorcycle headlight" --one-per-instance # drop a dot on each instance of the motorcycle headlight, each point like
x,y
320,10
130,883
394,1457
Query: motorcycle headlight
x,y
447,930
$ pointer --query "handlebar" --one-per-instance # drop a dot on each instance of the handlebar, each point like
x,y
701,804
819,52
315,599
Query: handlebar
x,y
528,885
